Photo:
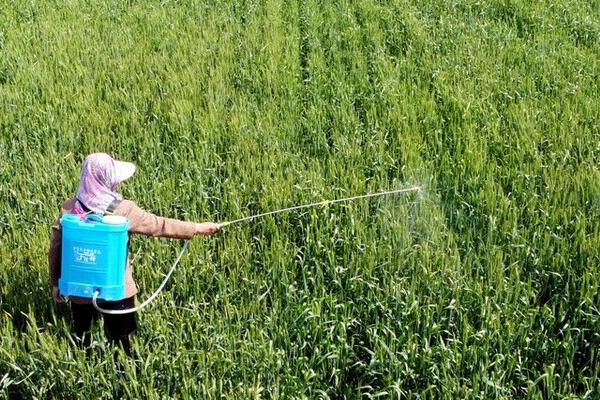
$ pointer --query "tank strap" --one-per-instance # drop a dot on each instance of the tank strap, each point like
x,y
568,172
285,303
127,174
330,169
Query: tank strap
x,y
113,206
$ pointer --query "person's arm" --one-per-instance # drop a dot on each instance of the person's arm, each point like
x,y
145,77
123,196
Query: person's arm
x,y
54,255
149,224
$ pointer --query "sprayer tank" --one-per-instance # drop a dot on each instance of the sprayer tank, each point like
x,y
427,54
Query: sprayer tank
x,y
94,256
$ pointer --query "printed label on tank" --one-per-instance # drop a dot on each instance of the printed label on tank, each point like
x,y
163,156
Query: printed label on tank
x,y
85,255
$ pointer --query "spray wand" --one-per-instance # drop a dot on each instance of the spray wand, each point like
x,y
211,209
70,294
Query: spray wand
x,y
236,221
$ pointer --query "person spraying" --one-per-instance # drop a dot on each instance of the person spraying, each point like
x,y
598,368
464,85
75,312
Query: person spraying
x,y
97,195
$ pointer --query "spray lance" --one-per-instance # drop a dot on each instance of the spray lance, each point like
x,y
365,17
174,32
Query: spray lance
x,y
186,243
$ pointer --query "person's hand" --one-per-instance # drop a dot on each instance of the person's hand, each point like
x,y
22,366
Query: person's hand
x,y
56,295
207,228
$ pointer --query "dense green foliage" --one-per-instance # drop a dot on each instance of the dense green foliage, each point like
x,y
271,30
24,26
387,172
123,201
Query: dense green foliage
x,y
484,286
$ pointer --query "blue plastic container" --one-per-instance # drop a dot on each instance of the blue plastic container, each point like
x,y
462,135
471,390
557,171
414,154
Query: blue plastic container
x,y
94,256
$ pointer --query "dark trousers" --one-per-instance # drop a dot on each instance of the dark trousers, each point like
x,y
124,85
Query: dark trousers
x,y
117,327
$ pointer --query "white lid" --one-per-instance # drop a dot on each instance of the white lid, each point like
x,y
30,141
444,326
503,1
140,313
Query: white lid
x,y
114,219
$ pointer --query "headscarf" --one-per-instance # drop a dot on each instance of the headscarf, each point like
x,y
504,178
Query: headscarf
x,y
100,175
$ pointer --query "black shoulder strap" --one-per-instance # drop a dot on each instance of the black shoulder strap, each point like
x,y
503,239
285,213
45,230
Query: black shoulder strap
x,y
113,206
87,210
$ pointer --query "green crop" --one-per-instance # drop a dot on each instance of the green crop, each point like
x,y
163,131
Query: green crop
x,y
482,286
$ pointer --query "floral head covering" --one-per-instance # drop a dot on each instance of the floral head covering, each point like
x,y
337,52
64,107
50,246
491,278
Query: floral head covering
x,y
100,175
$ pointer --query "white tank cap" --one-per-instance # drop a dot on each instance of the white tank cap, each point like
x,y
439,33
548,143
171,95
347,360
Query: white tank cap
x,y
114,219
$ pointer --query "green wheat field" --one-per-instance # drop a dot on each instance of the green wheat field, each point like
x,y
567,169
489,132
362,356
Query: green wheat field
x,y
483,285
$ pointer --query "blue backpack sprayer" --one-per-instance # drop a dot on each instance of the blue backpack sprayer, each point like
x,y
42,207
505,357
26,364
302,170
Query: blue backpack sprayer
x,y
94,253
